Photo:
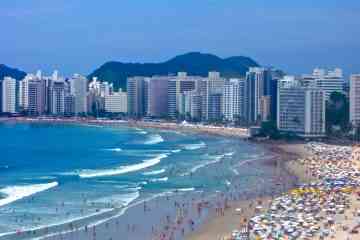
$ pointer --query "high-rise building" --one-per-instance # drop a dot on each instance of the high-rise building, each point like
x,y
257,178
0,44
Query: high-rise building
x,y
69,105
258,84
233,99
301,109
177,86
24,90
355,99
8,95
36,97
265,108
190,105
57,99
136,96
214,107
211,85
157,96
116,102
79,91
329,81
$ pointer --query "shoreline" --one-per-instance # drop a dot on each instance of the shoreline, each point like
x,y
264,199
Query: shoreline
x,y
187,128
217,131
221,227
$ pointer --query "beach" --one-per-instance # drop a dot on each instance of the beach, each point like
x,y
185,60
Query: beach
x,y
239,212
173,216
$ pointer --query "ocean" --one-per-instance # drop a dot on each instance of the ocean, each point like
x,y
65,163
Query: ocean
x,y
53,173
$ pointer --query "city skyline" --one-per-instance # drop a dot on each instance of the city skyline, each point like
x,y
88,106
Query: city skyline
x,y
302,35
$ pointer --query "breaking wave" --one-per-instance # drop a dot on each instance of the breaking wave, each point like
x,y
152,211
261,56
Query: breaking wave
x,y
164,179
122,169
194,146
15,193
154,139
155,172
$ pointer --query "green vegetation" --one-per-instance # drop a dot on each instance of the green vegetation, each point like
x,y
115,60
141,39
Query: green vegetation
x,y
337,114
269,129
193,63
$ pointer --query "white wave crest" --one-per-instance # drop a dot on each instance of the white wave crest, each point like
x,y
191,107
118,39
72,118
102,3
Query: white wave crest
x,y
129,198
205,164
164,179
155,172
176,151
122,169
229,154
194,146
185,189
113,149
154,139
15,193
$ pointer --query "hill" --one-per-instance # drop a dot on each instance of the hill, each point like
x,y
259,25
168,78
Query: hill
x,y
6,71
194,63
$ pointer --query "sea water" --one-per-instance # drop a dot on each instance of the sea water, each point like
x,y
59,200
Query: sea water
x,y
53,173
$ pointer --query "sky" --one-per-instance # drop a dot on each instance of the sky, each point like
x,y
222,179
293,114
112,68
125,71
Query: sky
x,y
77,36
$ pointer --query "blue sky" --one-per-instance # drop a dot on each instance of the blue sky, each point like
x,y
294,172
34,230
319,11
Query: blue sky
x,y
78,35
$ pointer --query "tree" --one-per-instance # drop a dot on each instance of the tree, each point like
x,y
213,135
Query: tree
x,y
269,129
337,112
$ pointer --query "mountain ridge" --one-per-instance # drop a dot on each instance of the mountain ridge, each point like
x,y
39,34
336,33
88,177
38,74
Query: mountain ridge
x,y
6,71
194,63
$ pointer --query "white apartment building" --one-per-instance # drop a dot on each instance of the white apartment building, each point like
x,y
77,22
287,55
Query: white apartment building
x,y
355,99
209,87
24,91
9,95
327,80
177,86
190,104
79,91
233,99
300,110
116,102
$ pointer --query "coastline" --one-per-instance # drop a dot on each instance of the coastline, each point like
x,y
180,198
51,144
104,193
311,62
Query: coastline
x,y
221,227
210,222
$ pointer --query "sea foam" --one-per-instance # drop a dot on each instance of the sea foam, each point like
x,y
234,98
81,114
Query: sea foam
x,y
194,146
164,179
205,164
154,139
113,149
122,169
15,193
155,172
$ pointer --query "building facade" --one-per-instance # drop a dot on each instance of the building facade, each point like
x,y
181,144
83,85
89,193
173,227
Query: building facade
x,y
136,96
36,97
354,98
301,109
157,97
328,80
57,96
233,99
116,102
8,95
78,88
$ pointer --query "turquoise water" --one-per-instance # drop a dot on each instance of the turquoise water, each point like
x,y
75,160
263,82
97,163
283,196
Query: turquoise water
x,y
54,173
